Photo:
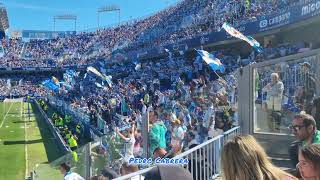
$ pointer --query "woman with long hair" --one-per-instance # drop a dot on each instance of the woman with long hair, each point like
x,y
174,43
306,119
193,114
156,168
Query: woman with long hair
x,y
243,158
309,162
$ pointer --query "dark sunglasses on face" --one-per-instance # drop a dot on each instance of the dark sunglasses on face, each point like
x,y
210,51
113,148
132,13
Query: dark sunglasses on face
x,y
296,127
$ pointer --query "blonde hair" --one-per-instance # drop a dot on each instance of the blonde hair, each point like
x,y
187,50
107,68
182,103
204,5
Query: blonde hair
x,y
275,75
244,159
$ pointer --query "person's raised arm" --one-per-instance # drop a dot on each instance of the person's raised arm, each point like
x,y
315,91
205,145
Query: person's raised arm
x,y
121,135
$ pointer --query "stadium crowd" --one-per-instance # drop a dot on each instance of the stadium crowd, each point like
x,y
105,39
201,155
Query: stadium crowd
x,y
186,96
186,20
20,88
186,102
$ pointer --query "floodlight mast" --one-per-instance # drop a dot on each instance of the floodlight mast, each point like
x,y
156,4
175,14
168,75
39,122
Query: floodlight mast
x,y
106,9
65,17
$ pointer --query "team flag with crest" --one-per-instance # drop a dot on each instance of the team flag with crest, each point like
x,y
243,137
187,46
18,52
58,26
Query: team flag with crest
x,y
235,33
214,63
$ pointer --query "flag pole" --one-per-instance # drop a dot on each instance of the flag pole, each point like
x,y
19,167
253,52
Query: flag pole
x,y
222,79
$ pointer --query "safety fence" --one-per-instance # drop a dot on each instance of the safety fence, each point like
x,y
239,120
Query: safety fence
x,y
60,141
81,117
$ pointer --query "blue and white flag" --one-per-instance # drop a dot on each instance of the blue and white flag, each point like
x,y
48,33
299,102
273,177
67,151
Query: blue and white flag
x,y
72,73
50,85
170,54
98,85
109,80
138,65
214,63
235,33
9,83
66,85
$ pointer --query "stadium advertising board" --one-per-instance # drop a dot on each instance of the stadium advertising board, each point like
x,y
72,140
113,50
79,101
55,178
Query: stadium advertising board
x,y
31,34
16,34
261,24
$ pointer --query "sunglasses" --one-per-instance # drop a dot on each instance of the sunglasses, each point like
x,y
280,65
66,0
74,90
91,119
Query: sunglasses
x,y
296,127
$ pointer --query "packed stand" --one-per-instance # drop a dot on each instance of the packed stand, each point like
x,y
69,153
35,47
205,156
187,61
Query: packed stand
x,y
185,20
19,87
181,98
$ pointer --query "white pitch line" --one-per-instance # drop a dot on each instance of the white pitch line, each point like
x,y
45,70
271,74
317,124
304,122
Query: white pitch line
x,y
26,140
4,118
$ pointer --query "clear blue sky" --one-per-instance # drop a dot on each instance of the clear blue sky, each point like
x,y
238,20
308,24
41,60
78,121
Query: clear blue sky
x,y
38,14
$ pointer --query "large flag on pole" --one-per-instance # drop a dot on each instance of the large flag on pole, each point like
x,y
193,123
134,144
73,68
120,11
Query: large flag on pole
x,y
235,33
214,63
102,76
95,71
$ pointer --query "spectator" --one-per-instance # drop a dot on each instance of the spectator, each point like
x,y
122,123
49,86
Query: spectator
x,y
274,100
65,169
305,130
243,158
177,136
308,84
309,162
157,133
316,104
130,141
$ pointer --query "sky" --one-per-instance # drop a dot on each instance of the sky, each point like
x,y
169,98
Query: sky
x,y
38,14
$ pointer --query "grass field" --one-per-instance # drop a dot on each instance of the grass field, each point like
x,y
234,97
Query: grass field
x,y
26,144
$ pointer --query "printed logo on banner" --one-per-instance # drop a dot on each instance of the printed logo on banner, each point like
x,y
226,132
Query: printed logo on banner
x,y
310,8
276,21
263,23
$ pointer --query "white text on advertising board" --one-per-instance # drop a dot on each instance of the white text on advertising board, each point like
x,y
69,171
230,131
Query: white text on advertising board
x,y
310,8
276,20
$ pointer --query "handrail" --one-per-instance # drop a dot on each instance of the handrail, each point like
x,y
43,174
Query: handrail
x,y
143,171
206,143
198,147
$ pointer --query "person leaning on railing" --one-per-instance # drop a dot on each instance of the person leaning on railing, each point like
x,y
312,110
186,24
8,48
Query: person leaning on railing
x,y
243,158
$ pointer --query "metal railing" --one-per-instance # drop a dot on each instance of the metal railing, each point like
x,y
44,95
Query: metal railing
x,y
60,141
203,160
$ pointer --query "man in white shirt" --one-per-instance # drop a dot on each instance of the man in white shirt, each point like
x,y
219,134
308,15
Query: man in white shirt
x,y
65,169
130,141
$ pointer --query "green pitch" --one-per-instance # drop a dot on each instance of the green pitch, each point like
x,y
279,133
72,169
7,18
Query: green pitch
x,y
26,144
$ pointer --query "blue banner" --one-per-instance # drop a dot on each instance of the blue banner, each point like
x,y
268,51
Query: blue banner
x,y
33,34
